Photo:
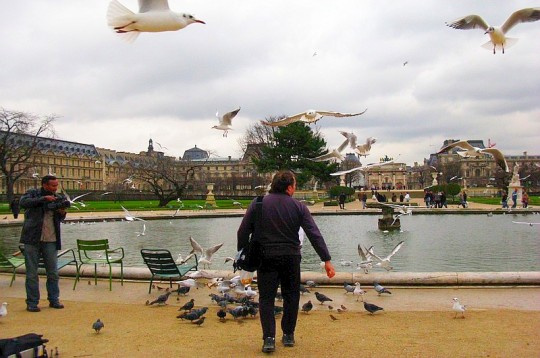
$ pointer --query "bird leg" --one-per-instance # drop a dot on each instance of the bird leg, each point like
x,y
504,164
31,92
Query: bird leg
x,y
122,27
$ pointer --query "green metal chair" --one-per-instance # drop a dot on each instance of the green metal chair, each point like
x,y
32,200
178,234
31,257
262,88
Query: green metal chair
x,y
10,263
98,252
161,264
65,257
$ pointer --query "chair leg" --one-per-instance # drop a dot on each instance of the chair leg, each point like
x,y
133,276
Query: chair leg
x,y
12,277
95,274
121,273
110,278
77,276
151,281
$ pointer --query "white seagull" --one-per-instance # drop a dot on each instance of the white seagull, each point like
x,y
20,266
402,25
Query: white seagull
x,y
367,263
364,168
525,223
385,262
225,121
129,216
310,116
358,291
497,35
458,308
74,200
205,254
365,148
153,16
3,309
333,155
470,151
143,232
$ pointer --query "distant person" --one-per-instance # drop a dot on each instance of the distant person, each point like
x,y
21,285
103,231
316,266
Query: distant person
x,y
444,200
401,197
514,198
504,200
44,210
341,199
14,207
427,199
463,199
363,199
407,197
394,197
524,199
437,200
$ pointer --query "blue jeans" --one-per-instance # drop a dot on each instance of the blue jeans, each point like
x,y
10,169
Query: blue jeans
x,y
32,254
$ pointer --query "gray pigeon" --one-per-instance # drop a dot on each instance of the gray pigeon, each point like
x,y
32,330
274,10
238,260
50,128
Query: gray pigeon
x,y
311,283
97,325
162,299
348,288
188,305
322,298
236,312
371,308
199,321
191,316
306,307
303,289
221,314
380,289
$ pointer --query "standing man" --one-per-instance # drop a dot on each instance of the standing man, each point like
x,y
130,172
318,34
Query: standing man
x,y
282,217
44,210
514,198
14,206
342,200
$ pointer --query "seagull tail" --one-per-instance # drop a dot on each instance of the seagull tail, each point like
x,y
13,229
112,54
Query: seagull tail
x,y
118,17
509,42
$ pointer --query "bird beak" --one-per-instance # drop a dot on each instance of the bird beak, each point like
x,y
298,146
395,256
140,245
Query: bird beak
x,y
487,32
200,22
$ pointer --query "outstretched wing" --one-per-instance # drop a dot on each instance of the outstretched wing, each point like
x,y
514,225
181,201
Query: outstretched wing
x,y
153,5
396,249
212,250
468,23
463,144
196,247
524,15
499,158
227,117
285,121
339,114
347,171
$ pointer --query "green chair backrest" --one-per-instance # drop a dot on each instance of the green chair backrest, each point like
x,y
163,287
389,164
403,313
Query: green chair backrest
x,y
159,261
92,248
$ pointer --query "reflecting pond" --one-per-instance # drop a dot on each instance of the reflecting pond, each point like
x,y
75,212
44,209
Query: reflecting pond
x,y
448,242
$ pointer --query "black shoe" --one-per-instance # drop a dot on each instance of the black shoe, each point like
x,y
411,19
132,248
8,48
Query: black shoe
x,y
33,309
56,305
269,345
288,340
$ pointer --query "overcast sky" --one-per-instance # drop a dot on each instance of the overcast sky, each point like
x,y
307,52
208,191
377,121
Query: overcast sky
x,y
59,57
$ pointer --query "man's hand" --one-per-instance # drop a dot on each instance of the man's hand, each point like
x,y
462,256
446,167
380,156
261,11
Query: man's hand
x,y
50,197
330,271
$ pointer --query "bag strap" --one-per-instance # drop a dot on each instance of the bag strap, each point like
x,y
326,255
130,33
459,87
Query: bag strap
x,y
257,218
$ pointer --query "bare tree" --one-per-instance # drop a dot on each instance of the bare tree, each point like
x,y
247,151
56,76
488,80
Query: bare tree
x,y
19,139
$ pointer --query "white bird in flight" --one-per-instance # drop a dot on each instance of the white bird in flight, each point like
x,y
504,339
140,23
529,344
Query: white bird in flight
x,y
497,35
205,254
129,216
143,232
367,263
333,155
225,121
153,16
74,200
310,116
365,148
385,262
470,151
364,168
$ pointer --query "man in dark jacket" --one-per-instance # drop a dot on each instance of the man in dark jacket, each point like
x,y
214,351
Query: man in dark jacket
x,y
282,217
14,207
44,210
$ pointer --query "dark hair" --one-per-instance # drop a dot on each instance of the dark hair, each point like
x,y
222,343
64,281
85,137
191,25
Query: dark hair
x,y
47,178
281,181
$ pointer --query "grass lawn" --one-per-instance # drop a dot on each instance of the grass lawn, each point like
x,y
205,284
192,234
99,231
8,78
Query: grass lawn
x,y
142,205
533,200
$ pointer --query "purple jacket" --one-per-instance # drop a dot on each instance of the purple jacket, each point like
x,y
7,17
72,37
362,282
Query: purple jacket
x,y
282,217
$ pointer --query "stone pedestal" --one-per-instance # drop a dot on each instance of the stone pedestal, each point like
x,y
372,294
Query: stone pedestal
x,y
434,182
387,222
210,199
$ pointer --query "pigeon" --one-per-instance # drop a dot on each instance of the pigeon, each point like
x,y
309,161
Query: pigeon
x,y
199,321
153,16
221,314
380,289
236,312
348,288
497,35
97,325
190,316
188,305
371,308
306,307
470,151
385,262
310,116
358,291
225,123
206,254
311,283
322,298
162,299
182,290
3,309
303,289
189,282
278,310
458,307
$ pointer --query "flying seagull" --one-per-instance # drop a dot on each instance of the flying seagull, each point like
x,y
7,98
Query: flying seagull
x,y
310,116
333,155
497,35
364,168
205,254
153,16
129,216
225,121
385,262
364,149
470,151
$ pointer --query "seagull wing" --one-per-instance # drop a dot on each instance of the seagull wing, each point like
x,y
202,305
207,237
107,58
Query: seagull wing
x,y
195,245
212,250
322,158
343,146
285,121
361,253
227,117
468,23
499,157
370,251
80,196
396,249
463,144
351,137
153,5
339,114
346,171
524,15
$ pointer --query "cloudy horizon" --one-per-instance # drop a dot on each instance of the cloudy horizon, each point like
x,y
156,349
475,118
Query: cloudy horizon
x,y
274,59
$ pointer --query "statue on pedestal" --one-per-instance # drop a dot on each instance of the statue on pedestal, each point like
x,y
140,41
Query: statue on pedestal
x,y
515,176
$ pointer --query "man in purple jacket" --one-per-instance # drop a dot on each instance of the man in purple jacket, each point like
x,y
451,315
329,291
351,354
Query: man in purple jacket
x,y
282,217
